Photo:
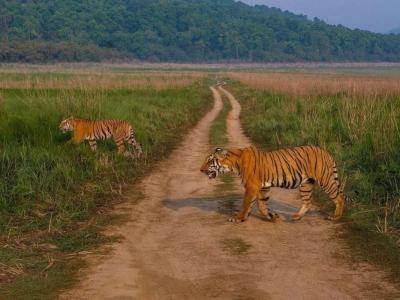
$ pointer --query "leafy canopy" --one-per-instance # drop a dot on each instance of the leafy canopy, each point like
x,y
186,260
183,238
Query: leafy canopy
x,y
178,30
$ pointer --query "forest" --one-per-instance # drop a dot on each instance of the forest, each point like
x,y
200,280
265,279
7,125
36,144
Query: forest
x,y
178,31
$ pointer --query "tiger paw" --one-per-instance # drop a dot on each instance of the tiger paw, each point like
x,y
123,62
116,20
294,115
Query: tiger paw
x,y
236,220
273,217
332,218
296,217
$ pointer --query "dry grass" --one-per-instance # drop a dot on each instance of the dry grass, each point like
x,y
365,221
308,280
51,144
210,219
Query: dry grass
x,y
357,119
93,76
298,84
90,68
363,104
157,81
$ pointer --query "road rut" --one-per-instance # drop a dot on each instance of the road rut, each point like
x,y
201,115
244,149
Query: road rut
x,y
178,244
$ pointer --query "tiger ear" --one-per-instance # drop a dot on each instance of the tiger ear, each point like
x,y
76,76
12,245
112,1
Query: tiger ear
x,y
221,151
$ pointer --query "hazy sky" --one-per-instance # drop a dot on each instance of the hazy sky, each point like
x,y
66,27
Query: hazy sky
x,y
373,15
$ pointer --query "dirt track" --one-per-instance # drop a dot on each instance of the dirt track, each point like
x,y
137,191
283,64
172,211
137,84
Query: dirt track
x,y
179,245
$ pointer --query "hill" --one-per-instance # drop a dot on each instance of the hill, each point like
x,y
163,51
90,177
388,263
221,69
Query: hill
x,y
178,30
395,30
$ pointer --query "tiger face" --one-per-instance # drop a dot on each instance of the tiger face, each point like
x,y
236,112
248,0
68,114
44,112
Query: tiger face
x,y
66,125
216,164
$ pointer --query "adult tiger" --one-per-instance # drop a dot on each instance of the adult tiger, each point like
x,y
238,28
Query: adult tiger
x,y
119,130
286,168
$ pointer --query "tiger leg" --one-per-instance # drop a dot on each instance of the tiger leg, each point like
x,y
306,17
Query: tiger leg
x,y
248,202
262,199
139,150
334,193
338,198
132,141
339,202
121,146
306,190
76,139
93,144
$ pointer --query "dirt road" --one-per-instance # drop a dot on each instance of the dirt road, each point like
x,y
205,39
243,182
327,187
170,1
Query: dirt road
x,y
179,245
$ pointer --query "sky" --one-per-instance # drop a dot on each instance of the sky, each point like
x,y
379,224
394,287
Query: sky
x,y
373,15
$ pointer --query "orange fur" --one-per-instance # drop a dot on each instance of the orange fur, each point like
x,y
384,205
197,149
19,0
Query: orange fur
x,y
286,168
119,130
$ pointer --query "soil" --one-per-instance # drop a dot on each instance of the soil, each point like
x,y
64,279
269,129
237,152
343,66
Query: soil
x,y
178,243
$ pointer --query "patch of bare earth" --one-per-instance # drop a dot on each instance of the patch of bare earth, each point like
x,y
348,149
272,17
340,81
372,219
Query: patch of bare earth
x,y
179,245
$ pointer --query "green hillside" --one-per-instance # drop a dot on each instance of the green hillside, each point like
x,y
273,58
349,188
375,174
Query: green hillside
x,y
178,30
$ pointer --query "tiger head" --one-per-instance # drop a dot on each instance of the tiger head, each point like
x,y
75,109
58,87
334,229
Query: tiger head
x,y
67,125
219,162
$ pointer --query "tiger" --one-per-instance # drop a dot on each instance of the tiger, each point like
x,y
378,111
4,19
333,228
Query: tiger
x,y
119,130
297,167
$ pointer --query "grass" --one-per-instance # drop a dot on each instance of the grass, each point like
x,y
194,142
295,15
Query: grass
x,y
359,124
311,84
218,136
52,195
236,246
96,81
373,247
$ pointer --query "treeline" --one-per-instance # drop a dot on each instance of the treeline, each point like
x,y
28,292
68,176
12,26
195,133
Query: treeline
x,y
44,51
178,30
395,31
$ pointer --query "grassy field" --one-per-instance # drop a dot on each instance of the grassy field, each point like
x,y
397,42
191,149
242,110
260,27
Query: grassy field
x,y
356,118
53,195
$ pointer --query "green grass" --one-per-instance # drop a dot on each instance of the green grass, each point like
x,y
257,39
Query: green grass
x,y
218,136
362,134
373,247
37,282
236,246
51,192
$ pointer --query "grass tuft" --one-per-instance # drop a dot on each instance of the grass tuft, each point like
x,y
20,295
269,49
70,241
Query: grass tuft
x,y
218,136
236,246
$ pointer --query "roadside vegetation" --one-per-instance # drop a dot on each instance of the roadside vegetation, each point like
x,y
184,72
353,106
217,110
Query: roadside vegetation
x,y
95,80
357,119
53,196
218,136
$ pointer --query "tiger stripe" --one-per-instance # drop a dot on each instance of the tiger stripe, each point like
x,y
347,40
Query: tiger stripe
x,y
298,167
119,130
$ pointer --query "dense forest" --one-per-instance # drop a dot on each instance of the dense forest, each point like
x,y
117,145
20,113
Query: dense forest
x,y
178,30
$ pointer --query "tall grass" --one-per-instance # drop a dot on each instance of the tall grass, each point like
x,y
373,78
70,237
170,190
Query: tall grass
x,y
51,191
41,175
361,130
357,119
95,81
306,84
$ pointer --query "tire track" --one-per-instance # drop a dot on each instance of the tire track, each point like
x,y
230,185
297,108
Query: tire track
x,y
179,245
